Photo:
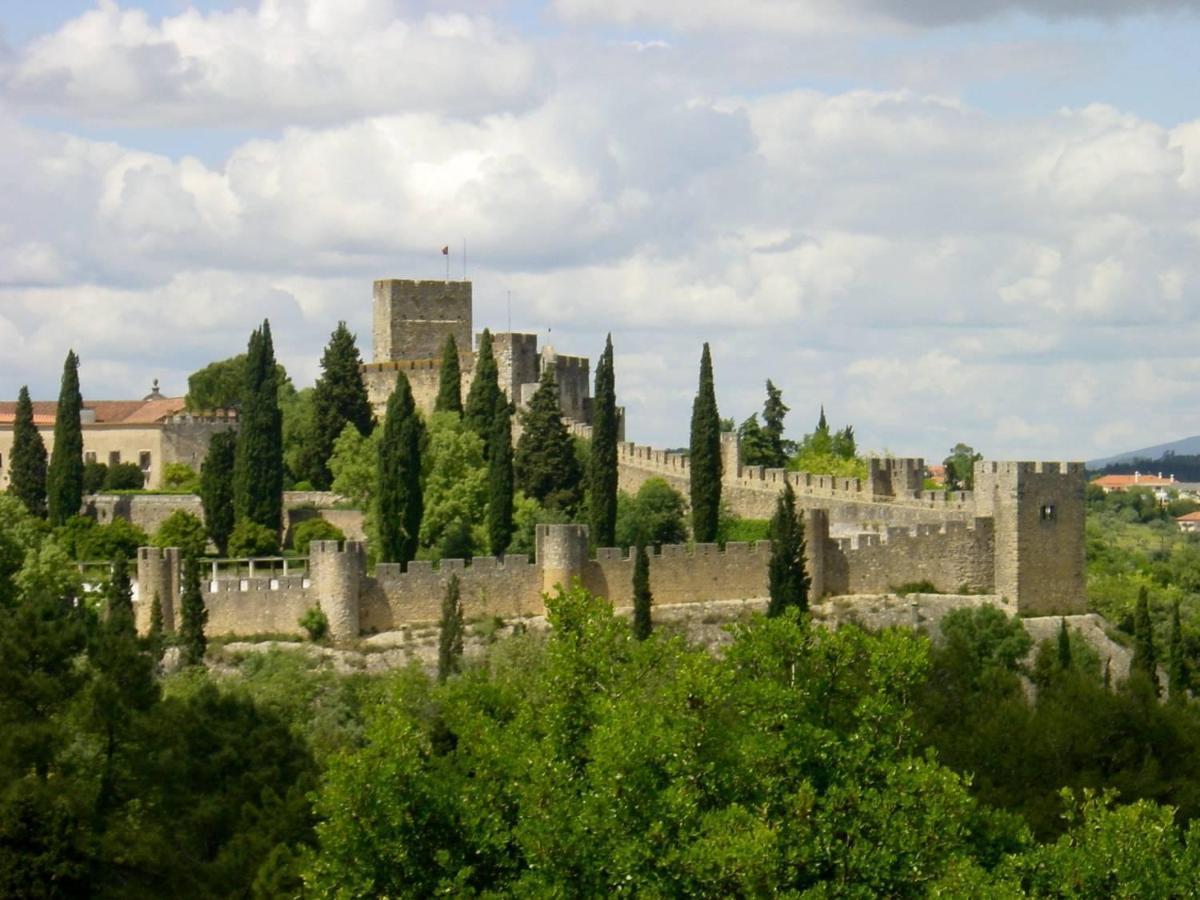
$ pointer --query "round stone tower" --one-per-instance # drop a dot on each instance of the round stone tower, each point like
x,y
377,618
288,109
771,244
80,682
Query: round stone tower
x,y
562,551
157,576
337,576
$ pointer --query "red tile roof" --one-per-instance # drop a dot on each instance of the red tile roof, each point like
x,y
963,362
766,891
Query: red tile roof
x,y
1190,517
107,412
1120,482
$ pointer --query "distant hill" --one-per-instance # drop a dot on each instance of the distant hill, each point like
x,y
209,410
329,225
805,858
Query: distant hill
x,y
1189,446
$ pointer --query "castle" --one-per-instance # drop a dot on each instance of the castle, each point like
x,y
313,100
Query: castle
x,y
1019,537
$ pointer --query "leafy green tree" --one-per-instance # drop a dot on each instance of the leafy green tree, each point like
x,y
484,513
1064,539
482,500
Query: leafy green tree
x,y
1145,657
844,445
485,388
449,396
317,529
545,464
354,465
155,633
300,451
193,615
656,515
642,598
125,476
705,456
216,488
456,487
753,443
1177,673
219,385
774,411
249,539
787,577
95,474
180,477
602,464
500,481
258,461
64,478
399,503
83,539
450,632
183,530
27,462
960,467
339,399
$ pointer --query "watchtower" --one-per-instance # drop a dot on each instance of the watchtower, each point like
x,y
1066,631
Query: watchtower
x,y
412,318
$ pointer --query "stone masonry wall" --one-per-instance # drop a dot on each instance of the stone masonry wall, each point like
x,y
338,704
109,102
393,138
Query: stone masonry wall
x,y
412,318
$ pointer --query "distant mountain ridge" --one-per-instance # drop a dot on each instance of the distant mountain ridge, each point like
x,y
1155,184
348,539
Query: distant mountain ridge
x,y
1189,446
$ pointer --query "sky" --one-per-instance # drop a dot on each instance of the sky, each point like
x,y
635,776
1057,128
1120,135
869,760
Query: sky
x,y
945,221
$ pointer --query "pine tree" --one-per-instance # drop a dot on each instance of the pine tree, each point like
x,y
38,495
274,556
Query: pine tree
x,y
193,615
545,464
705,456
27,464
64,478
449,396
399,503
485,388
602,466
216,487
786,574
1177,674
774,411
500,480
642,599
258,463
1145,659
450,635
754,445
1064,645
339,398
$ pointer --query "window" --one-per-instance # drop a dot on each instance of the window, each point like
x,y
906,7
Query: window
x,y
1047,512
89,456
144,460
114,457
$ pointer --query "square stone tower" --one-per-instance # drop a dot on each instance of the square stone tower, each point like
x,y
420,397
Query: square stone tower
x,y
412,318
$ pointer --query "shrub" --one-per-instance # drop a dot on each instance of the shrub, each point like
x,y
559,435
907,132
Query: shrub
x,y
315,622
183,530
83,539
735,529
251,539
94,476
124,477
925,586
314,530
303,486
656,514
180,477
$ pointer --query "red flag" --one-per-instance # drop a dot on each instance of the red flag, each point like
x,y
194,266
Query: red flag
x,y
446,250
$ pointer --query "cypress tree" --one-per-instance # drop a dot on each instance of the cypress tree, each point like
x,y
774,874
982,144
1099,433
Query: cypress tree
x,y
1145,659
449,396
27,464
485,388
1064,645
500,480
705,456
154,636
642,599
602,465
216,488
258,463
64,479
399,503
450,634
120,600
545,465
786,574
1176,662
193,615
774,411
339,398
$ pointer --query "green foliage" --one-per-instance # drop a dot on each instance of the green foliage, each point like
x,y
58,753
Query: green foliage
x,y
527,515
787,576
734,528
450,632
355,467
924,586
216,488
545,465
602,461
83,539
1145,657
338,400
764,445
95,474
398,501
317,529
258,461
960,467
249,539
299,443
449,395
456,485
125,476
642,598
180,477
64,477
193,615
315,623
183,530
485,391
826,452
705,456
500,481
219,385
1178,678
655,515
27,461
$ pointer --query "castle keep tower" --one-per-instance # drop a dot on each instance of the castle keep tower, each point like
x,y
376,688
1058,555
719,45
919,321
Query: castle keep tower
x,y
412,318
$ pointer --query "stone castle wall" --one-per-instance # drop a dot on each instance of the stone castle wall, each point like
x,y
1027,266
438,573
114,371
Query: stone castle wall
x,y
412,318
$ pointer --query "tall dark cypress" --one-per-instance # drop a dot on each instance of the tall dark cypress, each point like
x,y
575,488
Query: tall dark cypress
x,y
602,466
64,478
1064,645
193,615
339,398
399,503
27,464
258,464
545,464
120,600
787,577
500,480
705,456
1177,668
1145,657
450,634
642,599
485,388
216,487
449,396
